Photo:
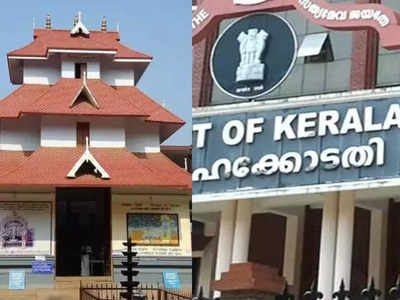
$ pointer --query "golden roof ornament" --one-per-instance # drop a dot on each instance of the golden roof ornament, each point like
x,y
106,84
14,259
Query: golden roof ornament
x,y
48,21
79,28
104,24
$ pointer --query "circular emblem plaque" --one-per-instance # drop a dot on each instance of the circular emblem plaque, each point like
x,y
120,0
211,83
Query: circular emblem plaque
x,y
254,55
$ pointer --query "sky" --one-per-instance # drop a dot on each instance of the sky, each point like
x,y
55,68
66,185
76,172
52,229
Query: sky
x,y
156,27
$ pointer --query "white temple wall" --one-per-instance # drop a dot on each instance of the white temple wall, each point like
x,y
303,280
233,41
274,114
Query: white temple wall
x,y
49,71
67,69
42,71
107,133
93,70
58,132
117,74
142,137
68,66
20,134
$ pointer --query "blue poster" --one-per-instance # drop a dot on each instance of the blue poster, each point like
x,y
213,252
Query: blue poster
x,y
171,280
16,280
42,267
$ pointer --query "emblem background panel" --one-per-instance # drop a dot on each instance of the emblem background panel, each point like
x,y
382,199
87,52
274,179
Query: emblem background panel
x,y
278,54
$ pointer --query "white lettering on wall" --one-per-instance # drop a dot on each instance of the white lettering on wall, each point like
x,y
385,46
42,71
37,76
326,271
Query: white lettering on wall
x,y
318,12
199,18
253,127
201,130
293,162
233,132
283,126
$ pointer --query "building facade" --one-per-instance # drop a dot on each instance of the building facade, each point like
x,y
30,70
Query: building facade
x,y
301,173
82,169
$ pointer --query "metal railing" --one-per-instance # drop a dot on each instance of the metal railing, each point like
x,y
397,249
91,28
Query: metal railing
x,y
369,293
112,291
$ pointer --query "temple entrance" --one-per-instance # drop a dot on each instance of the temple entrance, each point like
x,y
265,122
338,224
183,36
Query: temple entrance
x,y
83,232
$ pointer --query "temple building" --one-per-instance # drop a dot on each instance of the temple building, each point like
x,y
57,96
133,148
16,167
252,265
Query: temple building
x,y
296,117
81,167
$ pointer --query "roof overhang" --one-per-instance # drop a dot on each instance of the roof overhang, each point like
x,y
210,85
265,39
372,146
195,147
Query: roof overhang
x,y
109,52
133,60
168,129
16,63
28,57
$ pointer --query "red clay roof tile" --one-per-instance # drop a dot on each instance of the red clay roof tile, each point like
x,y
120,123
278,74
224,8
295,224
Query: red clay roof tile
x,y
62,39
57,100
50,166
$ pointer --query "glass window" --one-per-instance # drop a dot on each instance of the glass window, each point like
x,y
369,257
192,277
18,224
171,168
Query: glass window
x,y
388,73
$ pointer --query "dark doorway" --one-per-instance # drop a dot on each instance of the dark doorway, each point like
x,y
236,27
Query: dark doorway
x,y
311,246
268,251
80,70
82,132
83,232
360,257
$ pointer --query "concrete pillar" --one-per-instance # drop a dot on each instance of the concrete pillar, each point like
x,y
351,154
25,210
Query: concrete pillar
x,y
328,245
298,259
225,238
344,242
241,237
377,246
291,245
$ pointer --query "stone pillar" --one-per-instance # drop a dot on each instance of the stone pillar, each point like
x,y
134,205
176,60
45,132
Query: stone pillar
x,y
328,245
241,238
344,243
225,238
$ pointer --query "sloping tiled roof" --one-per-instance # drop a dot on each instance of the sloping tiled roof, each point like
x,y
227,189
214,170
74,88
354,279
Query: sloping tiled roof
x,y
45,39
157,113
50,166
57,100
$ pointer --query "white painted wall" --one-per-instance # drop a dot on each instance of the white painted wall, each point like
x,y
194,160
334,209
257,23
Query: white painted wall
x,y
107,133
141,136
117,74
68,66
42,71
67,69
58,132
20,134
104,132
93,70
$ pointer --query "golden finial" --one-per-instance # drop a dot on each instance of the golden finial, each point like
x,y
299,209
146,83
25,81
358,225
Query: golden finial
x,y
48,22
104,24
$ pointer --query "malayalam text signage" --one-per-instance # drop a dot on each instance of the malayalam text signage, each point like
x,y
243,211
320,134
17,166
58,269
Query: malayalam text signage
x,y
301,146
336,16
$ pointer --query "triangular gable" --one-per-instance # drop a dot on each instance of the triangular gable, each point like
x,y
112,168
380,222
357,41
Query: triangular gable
x,y
87,157
79,27
85,91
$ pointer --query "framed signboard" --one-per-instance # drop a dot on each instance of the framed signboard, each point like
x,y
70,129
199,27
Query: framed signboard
x,y
25,228
153,229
